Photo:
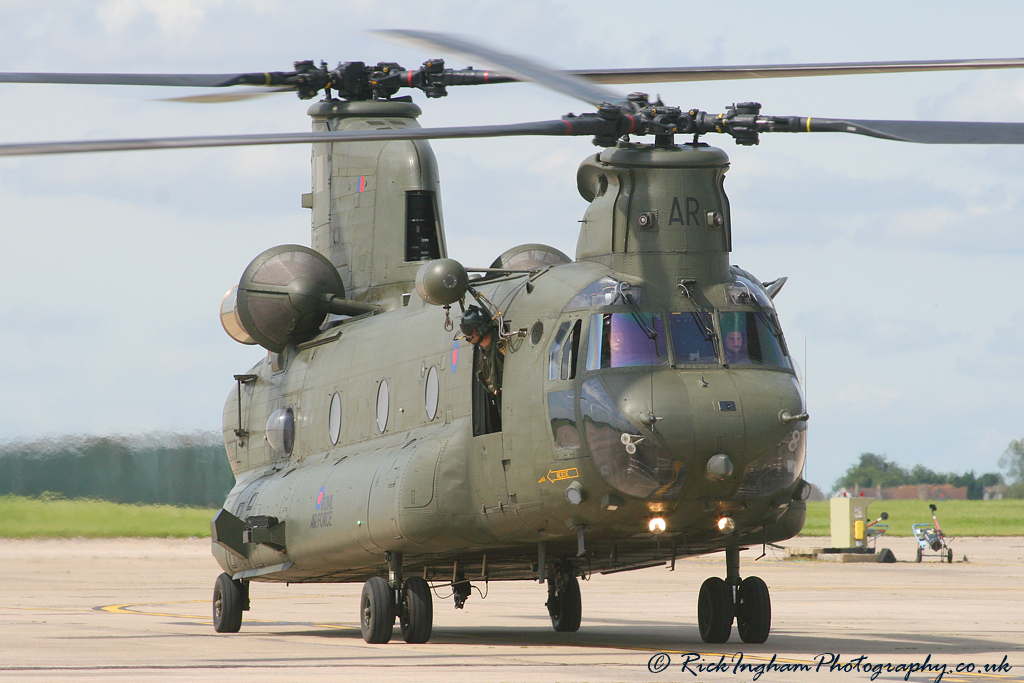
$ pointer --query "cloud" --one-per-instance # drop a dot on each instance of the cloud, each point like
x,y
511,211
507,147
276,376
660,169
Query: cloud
x,y
173,18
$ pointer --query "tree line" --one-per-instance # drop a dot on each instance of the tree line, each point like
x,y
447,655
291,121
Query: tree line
x,y
873,470
172,469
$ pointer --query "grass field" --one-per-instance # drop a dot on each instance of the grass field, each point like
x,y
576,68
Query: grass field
x,y
50,517
55,517
956,517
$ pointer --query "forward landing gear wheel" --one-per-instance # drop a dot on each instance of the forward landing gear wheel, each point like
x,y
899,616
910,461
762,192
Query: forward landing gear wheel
x,y
919,553
754,611
228,603
565,604
377,611
714,611
416,616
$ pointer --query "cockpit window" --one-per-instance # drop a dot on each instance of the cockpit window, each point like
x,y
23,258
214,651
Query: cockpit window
x,y
692,337
625,339
752,337
745,292
603,292
564,350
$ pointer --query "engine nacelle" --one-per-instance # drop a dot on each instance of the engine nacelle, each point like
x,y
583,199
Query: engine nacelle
x,y
283,298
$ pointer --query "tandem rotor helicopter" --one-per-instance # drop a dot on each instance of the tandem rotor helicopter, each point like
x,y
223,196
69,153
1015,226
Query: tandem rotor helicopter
x,y
555,417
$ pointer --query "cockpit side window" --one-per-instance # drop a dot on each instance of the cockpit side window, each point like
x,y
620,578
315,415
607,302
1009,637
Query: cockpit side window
x,y
750,337
692,337
625,339
565,351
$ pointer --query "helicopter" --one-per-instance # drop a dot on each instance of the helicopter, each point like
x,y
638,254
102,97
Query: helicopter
x,y
649,409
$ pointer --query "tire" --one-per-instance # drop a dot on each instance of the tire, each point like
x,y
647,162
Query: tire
x,y
754,612
566,607
416,616
377,611
714,611
919,554
228,603
949,555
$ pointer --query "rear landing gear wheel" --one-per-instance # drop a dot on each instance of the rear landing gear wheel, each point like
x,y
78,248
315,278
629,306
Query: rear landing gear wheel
x,y
754,611
377,611
416,616
714,611
949,555
229,598
564,603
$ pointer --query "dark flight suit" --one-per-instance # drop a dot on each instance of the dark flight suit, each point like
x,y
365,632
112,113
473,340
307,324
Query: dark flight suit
x,y
490,365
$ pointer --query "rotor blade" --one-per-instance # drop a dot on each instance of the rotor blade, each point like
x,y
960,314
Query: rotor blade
x,y
510,65
926,132
723,73
582,125
232,96
182,80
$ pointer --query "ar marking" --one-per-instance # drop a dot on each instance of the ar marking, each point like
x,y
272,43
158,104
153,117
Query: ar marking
x,y
676,215
559,475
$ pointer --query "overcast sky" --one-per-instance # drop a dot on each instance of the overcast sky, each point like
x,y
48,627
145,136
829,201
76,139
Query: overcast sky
x,y
904,260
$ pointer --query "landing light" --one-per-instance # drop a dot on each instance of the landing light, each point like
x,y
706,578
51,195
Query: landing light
x,y
656,525
726,525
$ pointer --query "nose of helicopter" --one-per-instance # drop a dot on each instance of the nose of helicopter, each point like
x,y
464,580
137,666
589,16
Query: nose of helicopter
x,y
739,428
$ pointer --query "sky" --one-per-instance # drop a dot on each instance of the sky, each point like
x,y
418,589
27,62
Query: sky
x,y
902,259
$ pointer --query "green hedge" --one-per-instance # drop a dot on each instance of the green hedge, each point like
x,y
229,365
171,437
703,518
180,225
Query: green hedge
x,y
169,469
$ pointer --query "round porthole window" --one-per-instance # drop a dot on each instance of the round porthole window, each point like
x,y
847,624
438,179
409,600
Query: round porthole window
x,y
334,419
281,430
536,332
430,393
383,405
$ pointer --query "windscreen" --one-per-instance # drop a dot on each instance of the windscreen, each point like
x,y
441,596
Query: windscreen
x,y
625,339
752,338
692,338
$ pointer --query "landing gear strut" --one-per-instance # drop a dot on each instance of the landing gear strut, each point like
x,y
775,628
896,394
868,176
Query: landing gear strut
x,y
720,601
564,603
384,599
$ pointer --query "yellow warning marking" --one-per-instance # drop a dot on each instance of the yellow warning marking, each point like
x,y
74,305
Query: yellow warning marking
x,y
132,608
560,475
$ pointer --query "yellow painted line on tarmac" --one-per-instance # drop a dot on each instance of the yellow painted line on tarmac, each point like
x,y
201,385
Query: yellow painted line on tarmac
x,y
131,608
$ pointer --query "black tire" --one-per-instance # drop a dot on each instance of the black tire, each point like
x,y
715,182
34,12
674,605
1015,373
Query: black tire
x,y
566,607
919,553
416,616
949,555
228,603
714,611
754,612
377,611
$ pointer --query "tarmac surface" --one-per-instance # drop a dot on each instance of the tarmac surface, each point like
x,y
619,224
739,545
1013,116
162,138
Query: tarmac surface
x,y
102,610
